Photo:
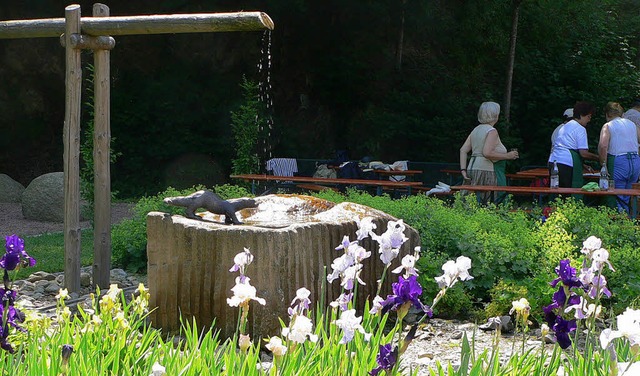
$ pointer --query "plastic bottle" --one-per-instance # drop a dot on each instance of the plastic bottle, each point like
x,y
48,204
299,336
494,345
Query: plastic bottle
x,y
554,181
612,183
604,178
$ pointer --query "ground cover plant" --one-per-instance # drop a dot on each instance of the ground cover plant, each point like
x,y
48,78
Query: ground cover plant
x,y
49,248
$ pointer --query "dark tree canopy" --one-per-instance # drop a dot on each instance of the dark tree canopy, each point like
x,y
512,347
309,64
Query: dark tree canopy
x,y
336,82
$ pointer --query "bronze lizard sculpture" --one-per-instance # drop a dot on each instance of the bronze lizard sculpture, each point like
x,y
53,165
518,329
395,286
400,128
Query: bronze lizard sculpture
x,y
211,202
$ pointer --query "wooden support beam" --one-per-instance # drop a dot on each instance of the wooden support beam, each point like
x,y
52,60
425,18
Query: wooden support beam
x,y
139,25
87,42
73,83
101,161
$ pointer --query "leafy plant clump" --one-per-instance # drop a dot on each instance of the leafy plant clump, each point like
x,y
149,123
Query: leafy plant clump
x,y
246,130
513,251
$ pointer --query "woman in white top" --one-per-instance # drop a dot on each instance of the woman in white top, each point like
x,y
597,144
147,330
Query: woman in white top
x,y
618,148
571,147
488,154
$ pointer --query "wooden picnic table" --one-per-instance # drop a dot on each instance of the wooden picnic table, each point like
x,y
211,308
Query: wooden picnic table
x,y
387,173
530,174
543,172
297,180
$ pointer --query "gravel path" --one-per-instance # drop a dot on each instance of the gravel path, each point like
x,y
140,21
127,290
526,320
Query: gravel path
x,y
12,221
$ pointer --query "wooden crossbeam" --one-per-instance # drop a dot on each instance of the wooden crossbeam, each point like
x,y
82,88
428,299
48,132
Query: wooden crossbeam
x,y
138,25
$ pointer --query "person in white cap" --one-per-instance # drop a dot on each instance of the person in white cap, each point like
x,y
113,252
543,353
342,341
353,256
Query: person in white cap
x,y
566,116
571,147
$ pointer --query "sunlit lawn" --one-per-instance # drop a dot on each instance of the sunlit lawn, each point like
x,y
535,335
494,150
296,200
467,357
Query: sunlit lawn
x,y
48,250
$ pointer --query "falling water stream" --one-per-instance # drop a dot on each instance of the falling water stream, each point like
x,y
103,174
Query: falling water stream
x,y
265,124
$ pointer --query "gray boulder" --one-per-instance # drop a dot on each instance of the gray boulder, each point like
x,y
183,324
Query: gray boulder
x,y
10,190
43,199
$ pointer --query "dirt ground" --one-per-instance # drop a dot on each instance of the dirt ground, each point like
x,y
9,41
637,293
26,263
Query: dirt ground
x,y
12,221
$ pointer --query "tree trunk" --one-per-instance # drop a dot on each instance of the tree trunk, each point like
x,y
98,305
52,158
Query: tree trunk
x,y
512,56
400,38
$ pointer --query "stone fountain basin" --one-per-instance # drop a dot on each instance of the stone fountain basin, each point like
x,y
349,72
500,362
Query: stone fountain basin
x,y
293,240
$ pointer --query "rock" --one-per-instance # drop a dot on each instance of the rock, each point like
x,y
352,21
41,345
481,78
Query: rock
x,y
503,322
43,199
40,285
41,276
118,276
85,279
292,238
10,190
457,334
52,287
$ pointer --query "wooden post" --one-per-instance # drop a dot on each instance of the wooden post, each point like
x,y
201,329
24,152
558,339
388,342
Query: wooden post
x,y
101,162
73,83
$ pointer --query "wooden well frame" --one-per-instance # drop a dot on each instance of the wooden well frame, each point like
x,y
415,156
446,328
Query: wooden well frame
x,y
96,33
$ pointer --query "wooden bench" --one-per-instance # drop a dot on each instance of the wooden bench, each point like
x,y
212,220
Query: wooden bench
x,y
328,182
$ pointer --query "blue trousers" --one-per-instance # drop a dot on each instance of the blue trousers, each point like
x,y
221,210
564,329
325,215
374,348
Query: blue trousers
x,y
626,170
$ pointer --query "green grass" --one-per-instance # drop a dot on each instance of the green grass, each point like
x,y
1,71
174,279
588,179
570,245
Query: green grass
x,y
48,250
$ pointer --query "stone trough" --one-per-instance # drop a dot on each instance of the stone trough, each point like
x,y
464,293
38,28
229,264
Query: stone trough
x,y
293,240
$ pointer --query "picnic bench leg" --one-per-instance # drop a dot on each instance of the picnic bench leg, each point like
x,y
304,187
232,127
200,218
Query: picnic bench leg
x,y
379,191
253,187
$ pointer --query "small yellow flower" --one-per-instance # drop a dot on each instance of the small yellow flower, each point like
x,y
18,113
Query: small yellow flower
x,y
544,330
63,294
121,320
276,346
244,342
65,314
96,320
520,306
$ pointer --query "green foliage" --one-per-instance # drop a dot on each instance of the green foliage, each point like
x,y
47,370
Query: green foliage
x,y
246,130
536,290
48,250
228,191
512,251
86,152
129,237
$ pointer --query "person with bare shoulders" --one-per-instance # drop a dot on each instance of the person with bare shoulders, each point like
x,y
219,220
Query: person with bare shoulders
x,y
618,148
571,147
633,113
488,155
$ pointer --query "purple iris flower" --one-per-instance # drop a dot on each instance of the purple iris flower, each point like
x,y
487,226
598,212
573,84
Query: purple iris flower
x,y
7,297
15,254
567,275
387,358
13,317
562,328
549,316
405,290
599,284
